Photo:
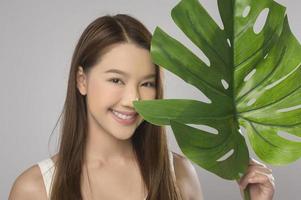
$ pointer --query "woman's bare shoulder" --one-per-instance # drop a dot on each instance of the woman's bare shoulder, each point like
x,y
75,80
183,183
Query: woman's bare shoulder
x,y
187,178
29,185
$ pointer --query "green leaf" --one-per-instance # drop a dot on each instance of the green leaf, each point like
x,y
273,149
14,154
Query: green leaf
x,y
253,80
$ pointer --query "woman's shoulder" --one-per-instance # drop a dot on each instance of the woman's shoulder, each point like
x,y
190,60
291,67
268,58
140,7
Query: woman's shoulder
x,y
183,167
29,185
187,178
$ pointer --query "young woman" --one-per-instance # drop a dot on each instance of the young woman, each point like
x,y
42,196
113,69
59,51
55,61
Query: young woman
x,y
107,151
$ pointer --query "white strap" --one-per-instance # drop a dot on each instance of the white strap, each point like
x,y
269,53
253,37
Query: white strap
x,y
47,171
171,164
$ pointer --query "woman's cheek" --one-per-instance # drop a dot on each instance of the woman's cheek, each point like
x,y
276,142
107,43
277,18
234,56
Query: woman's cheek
x,y
147,94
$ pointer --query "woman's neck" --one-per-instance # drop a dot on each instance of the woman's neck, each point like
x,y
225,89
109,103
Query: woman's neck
x,y
103,148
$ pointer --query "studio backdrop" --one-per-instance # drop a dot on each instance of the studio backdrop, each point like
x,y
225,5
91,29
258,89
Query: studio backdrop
x,y
37,39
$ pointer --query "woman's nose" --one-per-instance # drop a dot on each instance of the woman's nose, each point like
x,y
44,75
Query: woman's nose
x,y
129,98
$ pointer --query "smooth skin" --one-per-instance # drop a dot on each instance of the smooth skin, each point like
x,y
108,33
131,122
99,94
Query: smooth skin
x,y
110,165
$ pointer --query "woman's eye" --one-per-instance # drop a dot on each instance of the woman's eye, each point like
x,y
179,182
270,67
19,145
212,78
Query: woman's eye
x,y
151,84
115,80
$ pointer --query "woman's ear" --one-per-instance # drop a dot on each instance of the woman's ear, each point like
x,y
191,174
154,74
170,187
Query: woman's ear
x,y
81,81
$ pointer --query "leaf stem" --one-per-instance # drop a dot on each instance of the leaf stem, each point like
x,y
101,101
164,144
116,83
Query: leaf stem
x,y
247,193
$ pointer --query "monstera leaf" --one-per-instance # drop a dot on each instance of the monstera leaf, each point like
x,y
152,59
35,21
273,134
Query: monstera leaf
x,y
253,81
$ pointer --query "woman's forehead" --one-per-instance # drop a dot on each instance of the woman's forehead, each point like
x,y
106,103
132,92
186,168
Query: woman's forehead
x,y
127,59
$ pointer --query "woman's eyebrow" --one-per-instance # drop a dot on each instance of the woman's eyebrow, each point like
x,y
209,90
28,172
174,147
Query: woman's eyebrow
x,y
117,71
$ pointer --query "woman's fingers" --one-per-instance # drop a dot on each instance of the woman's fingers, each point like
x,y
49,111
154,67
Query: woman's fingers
x,y
256,173
261,178
256,177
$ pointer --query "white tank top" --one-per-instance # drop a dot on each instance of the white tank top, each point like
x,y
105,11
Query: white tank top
x,y
47,170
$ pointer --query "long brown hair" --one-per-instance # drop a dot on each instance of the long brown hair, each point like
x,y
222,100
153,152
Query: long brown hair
x,y
149,141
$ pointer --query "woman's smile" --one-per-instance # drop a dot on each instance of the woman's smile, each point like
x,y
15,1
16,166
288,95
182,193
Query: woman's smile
x,y
124,119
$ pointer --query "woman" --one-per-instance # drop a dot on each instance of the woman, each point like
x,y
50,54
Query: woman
x,y
107,150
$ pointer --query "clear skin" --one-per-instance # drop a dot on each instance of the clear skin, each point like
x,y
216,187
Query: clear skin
x,y
109,154
110,170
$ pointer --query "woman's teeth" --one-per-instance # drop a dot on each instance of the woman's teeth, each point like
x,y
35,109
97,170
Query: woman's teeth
x,y
122,116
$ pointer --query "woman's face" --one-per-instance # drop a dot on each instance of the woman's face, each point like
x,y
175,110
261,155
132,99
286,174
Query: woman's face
x,y
110,93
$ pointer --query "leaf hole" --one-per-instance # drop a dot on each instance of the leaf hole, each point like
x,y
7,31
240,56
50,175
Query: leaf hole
x,y
206,60
272,84
289,136
266,55
251,102
229,43
246,11
281,79
241,130
205,128
261,20
206,100
249,75
289,108
225,84
226,156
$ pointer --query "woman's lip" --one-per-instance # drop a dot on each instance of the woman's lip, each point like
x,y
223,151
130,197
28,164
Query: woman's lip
x,y
124,121
125,113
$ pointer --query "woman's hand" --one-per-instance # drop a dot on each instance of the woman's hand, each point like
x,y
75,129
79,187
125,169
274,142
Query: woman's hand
x,y
260,181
